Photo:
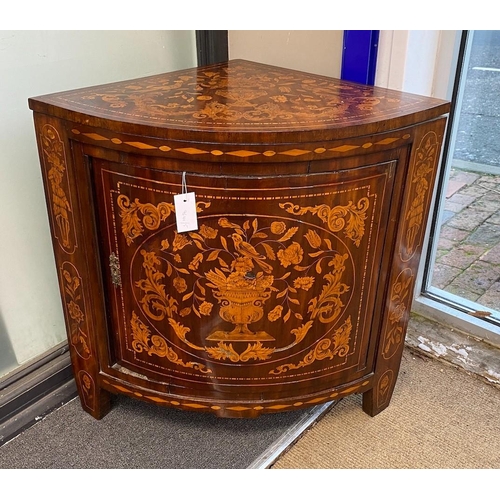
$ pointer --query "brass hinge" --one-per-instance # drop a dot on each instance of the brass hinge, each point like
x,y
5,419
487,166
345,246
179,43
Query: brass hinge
x,y
114,266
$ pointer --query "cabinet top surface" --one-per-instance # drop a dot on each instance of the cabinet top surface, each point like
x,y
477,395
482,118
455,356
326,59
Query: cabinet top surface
x,y
243,98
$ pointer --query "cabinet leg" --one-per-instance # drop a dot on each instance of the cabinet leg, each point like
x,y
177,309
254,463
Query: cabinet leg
x,y
378,398
93,399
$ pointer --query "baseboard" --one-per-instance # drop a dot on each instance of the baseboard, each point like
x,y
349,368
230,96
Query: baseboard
x,y
29,398
455,347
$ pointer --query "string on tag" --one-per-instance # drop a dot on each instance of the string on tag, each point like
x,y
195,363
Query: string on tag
x,y
185,208
184,186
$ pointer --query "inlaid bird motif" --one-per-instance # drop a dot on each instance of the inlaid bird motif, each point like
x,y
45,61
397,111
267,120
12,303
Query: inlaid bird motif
x,y
246,249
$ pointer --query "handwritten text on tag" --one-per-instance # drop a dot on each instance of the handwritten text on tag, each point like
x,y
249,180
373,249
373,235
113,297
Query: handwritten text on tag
x,y
185,212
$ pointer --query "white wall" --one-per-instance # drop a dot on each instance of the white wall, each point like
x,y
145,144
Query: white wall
x,y
313,51
417,61
34,63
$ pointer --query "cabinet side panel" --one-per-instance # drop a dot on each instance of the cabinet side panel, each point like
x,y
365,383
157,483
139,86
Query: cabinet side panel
x,y
69,245
418,189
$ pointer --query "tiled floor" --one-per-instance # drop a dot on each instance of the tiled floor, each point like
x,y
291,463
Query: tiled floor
x,y
468,256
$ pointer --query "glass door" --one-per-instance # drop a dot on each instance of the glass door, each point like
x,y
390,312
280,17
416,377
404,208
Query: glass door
x,y
462,273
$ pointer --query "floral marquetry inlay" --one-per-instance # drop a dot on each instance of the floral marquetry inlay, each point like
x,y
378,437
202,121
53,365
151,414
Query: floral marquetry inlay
x,y
75,308
335,345
156,345
384,387
350,218
246,264
241,94
136,216
87,389
399,310
54,156
423,171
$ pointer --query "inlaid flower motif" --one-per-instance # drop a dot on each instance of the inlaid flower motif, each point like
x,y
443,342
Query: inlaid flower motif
x,y
53,147
165,244
68,277
291,255
368,103
75,312
73,281
180,284
150,259
180,241
208,232
205,308
279,98
177,258
397,313
400,288
338,261
278,227
384,384
185,312
195,263
275,313
304,282
313,238
87,383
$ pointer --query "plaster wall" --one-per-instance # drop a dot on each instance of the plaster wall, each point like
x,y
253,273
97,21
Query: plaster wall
x,y
313,51
34,63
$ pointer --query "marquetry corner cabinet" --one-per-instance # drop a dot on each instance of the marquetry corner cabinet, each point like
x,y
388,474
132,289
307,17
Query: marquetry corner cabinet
x,y
311,200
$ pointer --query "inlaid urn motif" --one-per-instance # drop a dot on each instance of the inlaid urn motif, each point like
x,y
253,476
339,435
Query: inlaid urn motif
x,y
241,297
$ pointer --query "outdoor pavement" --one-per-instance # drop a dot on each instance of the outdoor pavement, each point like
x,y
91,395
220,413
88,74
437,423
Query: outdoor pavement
x,y
467,262
468,255
479,119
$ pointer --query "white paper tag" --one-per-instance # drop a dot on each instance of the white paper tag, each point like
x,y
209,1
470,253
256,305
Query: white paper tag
x,y
185,212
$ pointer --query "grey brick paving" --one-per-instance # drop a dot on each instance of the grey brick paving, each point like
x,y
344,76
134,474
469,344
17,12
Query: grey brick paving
x,y
468,257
